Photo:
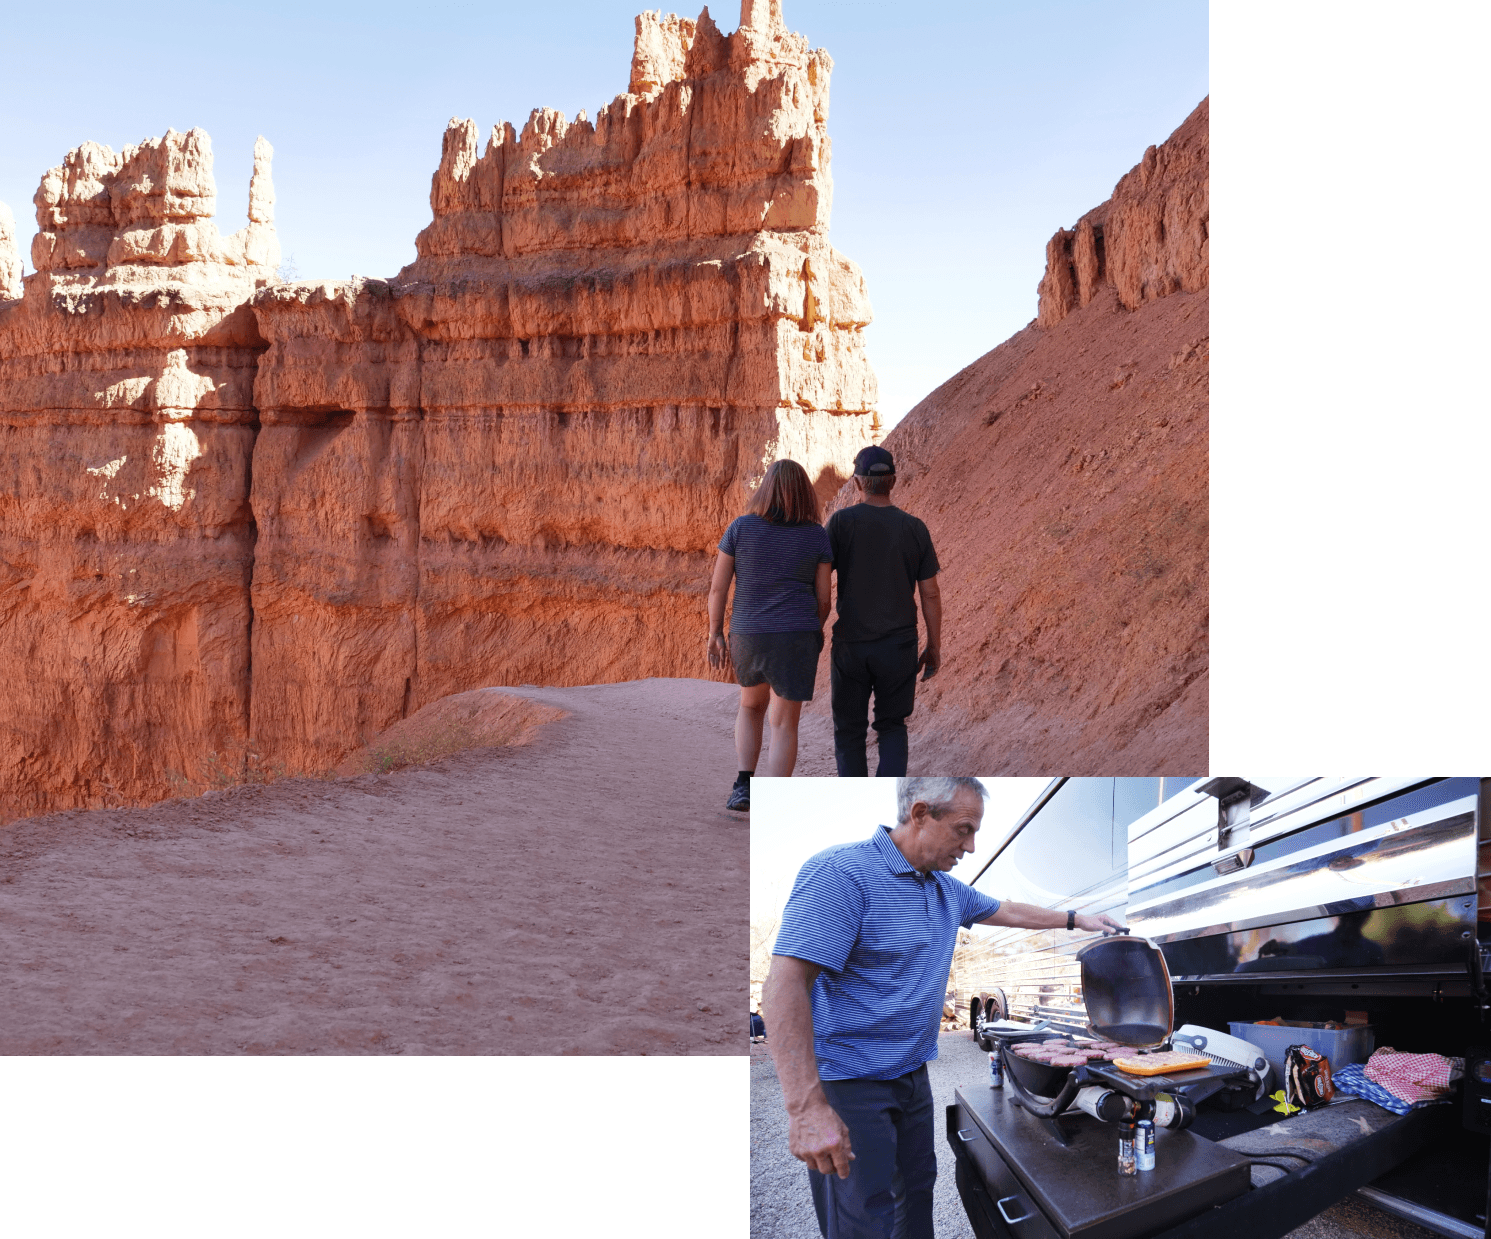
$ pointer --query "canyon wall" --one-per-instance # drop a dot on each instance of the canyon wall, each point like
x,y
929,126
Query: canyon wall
x,y
509,463
126,432
1063,477
1147,241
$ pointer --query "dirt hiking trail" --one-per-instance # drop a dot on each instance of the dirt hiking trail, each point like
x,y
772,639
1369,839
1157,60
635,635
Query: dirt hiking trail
x,y
582,894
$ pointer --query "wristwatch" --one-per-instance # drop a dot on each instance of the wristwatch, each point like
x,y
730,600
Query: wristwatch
x,y
1071,919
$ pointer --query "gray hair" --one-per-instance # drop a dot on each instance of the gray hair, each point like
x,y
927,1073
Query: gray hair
x,y
936,794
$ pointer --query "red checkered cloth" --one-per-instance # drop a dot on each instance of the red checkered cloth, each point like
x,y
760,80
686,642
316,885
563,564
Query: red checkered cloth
x,y
1413,1077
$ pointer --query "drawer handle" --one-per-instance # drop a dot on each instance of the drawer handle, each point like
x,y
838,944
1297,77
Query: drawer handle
x,y
968,1135
999,1204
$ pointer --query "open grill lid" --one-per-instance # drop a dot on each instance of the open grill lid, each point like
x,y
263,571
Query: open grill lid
x,y
1126,987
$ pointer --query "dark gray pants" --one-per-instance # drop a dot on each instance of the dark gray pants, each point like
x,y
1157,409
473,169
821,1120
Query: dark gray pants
x,y
858,669
888,1194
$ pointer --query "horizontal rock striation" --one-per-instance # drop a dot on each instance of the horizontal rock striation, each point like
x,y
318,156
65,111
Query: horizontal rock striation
x,y
511,462
508,464
1063,478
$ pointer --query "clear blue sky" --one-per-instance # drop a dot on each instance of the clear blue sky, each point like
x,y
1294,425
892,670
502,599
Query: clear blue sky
x,y
964,134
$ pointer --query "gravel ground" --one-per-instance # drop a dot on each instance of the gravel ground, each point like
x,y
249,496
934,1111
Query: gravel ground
x,y
782,1208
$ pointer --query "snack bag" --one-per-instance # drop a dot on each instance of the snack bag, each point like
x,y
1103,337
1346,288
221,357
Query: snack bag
x,y
1307,1077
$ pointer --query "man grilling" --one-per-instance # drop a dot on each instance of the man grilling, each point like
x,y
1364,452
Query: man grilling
x,y
855,997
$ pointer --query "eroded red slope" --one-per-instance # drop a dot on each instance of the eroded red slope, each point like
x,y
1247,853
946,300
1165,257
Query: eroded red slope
x,y
1064,479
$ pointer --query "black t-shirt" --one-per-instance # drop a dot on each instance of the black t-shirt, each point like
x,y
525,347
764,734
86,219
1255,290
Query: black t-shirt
x,y
880,553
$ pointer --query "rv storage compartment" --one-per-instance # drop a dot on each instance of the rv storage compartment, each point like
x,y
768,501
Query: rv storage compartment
x,y
1341,1046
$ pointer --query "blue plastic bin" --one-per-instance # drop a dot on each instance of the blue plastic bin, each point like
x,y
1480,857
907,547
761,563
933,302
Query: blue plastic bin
x,y
1341,1046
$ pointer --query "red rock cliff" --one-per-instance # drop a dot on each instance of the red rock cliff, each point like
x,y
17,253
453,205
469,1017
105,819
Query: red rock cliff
x,y
126,430
1147,241
509,463
1063,478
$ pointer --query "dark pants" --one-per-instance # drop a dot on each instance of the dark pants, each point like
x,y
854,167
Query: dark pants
x,y
888,1194
886,668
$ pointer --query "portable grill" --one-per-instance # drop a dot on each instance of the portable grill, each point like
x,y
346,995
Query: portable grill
x,y
1130,1001
1198,1083
1112,1095
1035,1159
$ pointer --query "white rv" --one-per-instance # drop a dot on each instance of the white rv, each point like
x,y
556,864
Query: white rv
x,y
1349,909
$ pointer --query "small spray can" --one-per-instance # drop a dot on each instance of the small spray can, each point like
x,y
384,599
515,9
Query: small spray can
x,y
1144,1145
1126,1161
996,1071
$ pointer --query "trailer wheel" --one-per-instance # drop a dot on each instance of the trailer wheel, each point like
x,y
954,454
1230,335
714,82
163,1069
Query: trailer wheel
x,y
989,1006
975,1014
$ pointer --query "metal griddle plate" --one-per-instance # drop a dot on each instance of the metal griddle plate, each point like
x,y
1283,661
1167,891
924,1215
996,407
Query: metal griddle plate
x,y
1078,1187
1144,1088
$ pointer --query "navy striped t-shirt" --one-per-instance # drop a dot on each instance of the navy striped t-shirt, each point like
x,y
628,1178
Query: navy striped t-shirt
x,y
883,933
775,567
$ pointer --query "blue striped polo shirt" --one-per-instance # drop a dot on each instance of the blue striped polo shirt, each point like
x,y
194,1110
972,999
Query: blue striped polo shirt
x,y
884,934
775,570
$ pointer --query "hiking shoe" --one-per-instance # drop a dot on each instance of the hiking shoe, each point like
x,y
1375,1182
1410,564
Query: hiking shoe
x,y
740,798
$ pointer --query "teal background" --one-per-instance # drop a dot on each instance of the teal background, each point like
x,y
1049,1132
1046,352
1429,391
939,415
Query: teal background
x,y
373,1147
1350,433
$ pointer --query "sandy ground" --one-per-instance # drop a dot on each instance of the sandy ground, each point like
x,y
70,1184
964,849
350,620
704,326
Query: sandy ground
x,y
782,1208
584,894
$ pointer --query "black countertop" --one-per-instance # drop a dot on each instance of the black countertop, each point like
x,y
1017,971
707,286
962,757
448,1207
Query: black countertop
x,y
1078,1186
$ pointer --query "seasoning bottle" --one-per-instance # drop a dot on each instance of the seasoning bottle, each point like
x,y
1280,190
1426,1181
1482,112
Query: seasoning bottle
x,y
1126,1160
1144,1145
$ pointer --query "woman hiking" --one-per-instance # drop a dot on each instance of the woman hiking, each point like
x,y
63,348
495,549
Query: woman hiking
x,y
778,554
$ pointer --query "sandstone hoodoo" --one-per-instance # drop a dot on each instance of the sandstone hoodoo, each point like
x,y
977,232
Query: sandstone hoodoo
x,y
1063,479
128,424
509,463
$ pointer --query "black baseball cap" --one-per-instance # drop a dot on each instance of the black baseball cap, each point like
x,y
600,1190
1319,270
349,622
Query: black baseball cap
x,y
874,462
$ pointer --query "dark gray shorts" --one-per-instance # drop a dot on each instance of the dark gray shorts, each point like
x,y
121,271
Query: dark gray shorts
x,y
788,661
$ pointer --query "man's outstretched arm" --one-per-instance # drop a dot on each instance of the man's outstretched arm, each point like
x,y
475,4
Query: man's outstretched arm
x,y
815,1133
1032,916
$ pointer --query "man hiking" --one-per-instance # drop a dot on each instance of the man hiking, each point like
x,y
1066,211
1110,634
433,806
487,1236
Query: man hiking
x,y
884,557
